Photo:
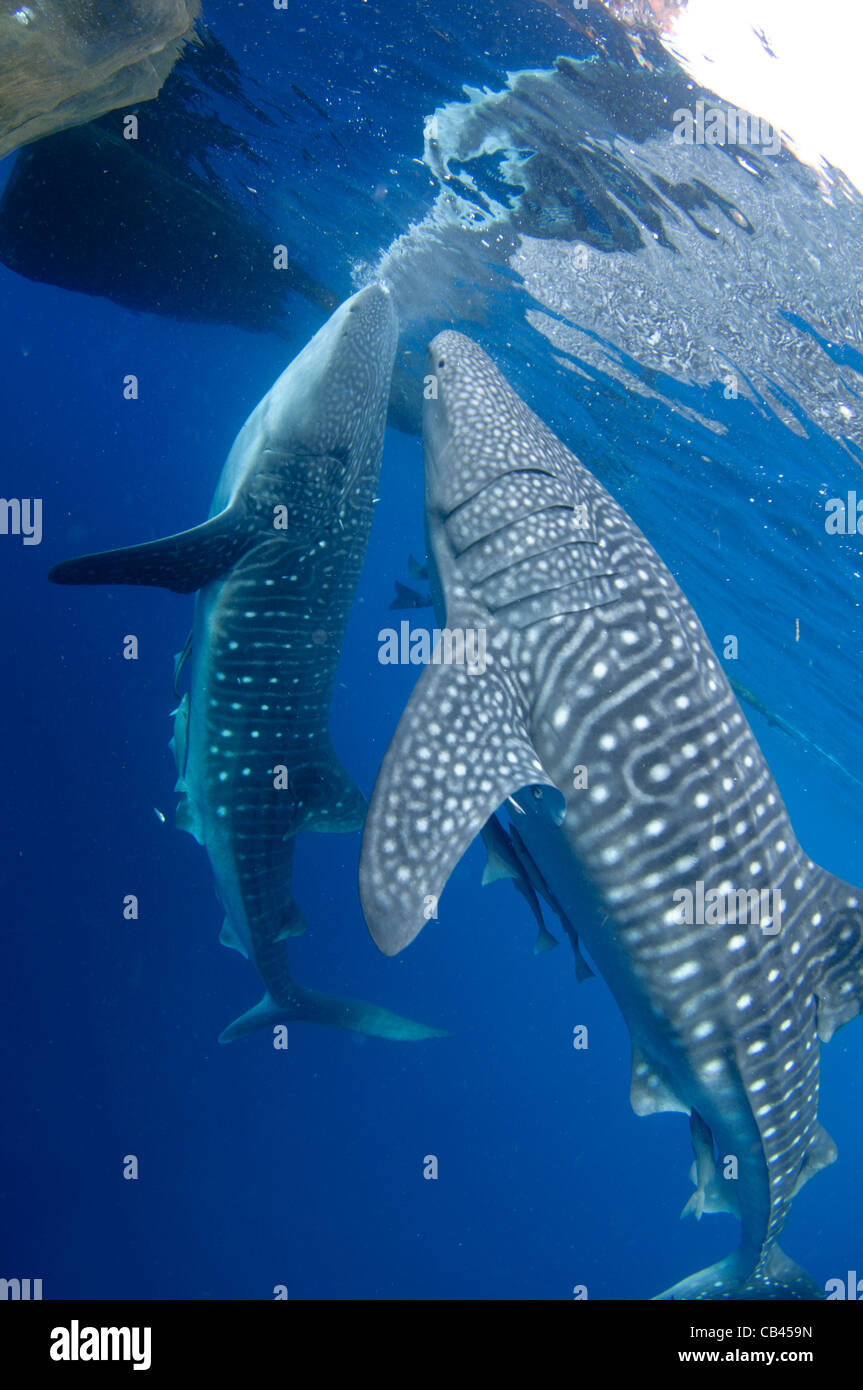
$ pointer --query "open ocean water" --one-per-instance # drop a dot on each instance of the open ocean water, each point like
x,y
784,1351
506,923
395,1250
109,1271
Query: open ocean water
x,y
688,318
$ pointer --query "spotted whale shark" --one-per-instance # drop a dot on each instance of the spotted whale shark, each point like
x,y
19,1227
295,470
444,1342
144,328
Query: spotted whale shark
x,y
275,568
604,720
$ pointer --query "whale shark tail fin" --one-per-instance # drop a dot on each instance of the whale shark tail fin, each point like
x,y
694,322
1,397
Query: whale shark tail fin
x,y
774,1277
308,1006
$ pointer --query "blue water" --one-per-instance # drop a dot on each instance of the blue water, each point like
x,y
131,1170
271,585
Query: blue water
x,y
304,1168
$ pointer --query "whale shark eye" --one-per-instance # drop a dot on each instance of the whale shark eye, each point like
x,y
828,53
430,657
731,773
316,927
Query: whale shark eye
x,y
441,363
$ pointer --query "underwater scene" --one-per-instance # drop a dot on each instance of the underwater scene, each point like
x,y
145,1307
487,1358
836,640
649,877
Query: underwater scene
x,y
431,481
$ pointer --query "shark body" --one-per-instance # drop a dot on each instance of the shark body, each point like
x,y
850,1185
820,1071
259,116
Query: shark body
x,y
275,568
604,717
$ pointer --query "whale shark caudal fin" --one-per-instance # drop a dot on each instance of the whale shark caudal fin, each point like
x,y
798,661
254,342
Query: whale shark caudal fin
x,y
308,1006
182,563
776,1277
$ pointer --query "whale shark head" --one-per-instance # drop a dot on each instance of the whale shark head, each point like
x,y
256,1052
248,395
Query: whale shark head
x,y
329,404
332,394
467,425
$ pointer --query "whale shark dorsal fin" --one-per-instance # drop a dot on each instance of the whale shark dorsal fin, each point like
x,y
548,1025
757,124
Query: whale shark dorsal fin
x,y
326,798
460,749
182,563
839,988
821,1153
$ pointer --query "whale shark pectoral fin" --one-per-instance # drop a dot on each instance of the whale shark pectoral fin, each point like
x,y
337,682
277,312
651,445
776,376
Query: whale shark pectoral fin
x,y
182,563
308,1006
648,1093
342,806
460,749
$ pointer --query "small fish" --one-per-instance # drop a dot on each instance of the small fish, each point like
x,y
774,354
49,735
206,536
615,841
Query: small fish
x,y
764,41
502,861
300,93
777,722
582,969
409,598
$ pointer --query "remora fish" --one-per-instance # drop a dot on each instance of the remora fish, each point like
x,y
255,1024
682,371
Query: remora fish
x,y
271,609
502,861
406,599
597,664
582,969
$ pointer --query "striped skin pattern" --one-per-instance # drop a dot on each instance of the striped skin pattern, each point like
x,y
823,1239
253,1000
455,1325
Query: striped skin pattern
x,y
251,739
596,660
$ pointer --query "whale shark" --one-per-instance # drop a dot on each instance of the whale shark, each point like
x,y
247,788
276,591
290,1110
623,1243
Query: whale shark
x,y
275,568
605,721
